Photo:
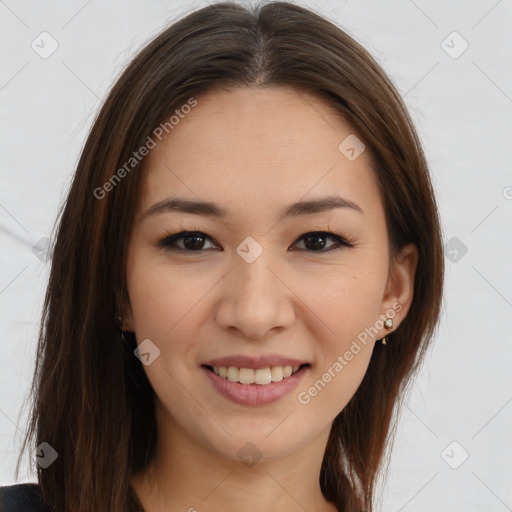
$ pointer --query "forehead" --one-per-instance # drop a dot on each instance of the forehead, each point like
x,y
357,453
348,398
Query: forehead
x,y
250,148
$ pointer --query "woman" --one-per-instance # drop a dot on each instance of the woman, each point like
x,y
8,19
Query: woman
x,y
247,271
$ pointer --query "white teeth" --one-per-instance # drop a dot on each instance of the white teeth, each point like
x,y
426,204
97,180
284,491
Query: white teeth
x,y
261,376
233,374
277,373
245,375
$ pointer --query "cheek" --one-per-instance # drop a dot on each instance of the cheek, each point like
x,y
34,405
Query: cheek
x,y
162,303
331,389
345,301
160,296
169,307
349,311
153,301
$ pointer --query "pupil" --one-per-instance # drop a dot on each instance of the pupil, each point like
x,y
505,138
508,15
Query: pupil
x,y
314,246
196,244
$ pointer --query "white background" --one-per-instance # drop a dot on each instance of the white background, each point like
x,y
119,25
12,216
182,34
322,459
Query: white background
x,y
463,110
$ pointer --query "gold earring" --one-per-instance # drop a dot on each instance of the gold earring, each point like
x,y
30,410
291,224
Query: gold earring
x,y
388,324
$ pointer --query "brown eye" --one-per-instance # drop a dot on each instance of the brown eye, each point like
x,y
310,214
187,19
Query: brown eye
x,y
316,241
193,241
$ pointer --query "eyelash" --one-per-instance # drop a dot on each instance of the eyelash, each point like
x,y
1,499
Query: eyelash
x,y
167,242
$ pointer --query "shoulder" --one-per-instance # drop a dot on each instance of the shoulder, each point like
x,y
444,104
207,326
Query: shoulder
x,y
24,497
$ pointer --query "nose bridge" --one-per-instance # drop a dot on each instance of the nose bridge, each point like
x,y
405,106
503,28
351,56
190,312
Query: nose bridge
x,y
255,300
254,279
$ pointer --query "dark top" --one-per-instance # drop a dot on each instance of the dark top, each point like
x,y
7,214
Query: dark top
x,y
28,498
21,498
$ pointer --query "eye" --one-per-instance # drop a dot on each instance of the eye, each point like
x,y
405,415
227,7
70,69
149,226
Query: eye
x,y
316,240
194,241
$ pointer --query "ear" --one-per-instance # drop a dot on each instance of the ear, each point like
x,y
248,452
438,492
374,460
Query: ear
x,y
399,290
125,312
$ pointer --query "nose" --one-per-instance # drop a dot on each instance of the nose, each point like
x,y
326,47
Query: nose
x,y
255,298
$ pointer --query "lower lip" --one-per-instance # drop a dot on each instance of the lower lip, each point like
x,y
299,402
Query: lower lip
x,y
255,394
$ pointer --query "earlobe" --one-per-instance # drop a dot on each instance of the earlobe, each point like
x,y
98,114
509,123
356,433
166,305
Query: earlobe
x,y
125,323
125,318
400,284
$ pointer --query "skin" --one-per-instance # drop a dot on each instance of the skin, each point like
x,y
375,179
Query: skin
x,y
254,152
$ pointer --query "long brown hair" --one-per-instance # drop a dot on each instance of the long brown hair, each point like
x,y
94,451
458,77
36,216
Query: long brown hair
x,y
93,403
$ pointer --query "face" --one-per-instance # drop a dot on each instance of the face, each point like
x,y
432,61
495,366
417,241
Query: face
x,y
308,287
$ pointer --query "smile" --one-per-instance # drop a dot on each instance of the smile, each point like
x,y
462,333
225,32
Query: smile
x,y
259,376
255,387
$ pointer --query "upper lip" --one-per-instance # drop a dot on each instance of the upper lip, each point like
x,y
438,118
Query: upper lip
x,y
264,361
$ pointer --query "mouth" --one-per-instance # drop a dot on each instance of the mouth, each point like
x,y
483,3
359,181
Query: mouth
x,y
255,376
255,386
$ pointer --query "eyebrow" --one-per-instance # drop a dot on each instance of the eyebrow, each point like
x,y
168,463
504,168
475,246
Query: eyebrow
x,y
174,204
